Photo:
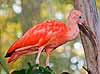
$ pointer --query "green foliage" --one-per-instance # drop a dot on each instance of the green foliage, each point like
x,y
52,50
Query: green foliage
x,y
34,69
4,66
19,72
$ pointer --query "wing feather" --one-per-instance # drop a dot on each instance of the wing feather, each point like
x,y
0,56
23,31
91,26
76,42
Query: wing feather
x,y
39,35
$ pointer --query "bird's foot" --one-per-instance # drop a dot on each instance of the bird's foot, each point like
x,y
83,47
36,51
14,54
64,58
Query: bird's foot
x,y
49,68
48,65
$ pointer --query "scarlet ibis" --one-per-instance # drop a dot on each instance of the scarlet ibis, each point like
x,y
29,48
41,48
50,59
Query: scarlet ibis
x,y
46,36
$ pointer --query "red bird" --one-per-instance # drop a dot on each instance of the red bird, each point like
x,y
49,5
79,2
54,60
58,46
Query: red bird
x,y
45,37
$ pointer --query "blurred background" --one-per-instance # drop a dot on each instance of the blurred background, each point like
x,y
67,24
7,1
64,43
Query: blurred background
x,y
16,16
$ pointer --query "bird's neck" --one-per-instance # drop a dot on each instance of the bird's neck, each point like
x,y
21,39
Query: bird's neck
x,y
73,29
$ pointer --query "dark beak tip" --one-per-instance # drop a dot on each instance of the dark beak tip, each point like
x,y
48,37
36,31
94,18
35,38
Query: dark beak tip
x,y
88,32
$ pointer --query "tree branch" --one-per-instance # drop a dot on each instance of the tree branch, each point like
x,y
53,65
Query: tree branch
x,y
88,7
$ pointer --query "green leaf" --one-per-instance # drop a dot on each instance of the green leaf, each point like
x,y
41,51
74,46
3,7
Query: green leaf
x,y
4,66
29,71
35,69
19,72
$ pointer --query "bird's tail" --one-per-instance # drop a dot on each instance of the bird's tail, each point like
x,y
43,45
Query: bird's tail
x,y
19,53
13,58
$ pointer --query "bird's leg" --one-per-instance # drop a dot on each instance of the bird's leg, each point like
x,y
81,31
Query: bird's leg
x,y
38,55
47,61
48,52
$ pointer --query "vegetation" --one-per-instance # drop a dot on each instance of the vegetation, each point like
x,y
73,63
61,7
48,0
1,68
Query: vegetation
x,y
34,69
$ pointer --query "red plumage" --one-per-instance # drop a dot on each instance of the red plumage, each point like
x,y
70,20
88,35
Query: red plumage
x,y
45,36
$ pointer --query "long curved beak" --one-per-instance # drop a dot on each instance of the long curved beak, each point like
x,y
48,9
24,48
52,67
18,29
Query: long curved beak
x,y
88,32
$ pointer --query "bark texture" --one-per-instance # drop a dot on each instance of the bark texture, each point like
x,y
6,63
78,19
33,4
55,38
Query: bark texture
x,y
88,7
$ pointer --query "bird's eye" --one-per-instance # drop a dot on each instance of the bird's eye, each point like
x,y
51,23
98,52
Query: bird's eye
x,y
80,17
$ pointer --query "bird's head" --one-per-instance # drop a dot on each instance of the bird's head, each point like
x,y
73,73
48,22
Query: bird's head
x,y
77,17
